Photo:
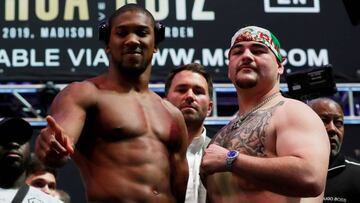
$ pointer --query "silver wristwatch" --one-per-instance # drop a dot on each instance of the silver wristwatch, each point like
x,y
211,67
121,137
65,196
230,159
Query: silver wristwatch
x,y
230,158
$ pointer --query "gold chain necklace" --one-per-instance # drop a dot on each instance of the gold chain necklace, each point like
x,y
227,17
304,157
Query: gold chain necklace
x,y
240,119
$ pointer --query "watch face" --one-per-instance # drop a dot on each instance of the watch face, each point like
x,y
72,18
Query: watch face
x,y
232,153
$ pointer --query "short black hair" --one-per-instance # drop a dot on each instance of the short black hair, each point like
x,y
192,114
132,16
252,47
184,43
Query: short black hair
x,y
105,27
130,7
36,166
193,67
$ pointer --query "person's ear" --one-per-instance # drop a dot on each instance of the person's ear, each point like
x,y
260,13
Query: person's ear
x,y
281,68
210,108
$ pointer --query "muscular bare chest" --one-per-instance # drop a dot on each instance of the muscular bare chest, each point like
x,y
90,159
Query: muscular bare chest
x,y
128,116
255,135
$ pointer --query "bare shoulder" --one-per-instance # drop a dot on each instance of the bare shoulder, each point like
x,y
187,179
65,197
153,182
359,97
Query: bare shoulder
x,y
297,106
83,93
178,127
300,132
297,112
175,112
80,88
83,85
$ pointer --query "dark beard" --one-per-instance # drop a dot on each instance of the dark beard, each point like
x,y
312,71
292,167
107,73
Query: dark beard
x,y
13,170
246,85
132,71
190,121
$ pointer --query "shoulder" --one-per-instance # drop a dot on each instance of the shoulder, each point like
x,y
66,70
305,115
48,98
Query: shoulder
x,y
296,118
296,105
179,137
6,195
294,110
175,112
81,87
79,92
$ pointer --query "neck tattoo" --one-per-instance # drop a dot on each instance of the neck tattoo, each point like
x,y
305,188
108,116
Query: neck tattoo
x,y
240,119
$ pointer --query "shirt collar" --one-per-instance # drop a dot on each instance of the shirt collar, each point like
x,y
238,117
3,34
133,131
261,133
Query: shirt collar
x,y
198,142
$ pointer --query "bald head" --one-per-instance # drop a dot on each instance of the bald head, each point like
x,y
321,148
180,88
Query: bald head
x,y
324,100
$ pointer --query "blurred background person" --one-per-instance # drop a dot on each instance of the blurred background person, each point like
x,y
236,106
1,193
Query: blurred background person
x,y
41,176
15,134
343,178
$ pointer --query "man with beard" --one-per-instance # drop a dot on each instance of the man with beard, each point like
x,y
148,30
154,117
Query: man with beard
x,y
15,134
130,143
190,89
343,179
276,149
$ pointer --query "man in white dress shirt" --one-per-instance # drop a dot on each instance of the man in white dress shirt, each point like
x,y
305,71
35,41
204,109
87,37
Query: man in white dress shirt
x,y
190,88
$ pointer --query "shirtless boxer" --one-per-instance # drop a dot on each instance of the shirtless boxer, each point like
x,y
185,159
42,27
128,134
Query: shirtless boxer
x,y
130,143
276,149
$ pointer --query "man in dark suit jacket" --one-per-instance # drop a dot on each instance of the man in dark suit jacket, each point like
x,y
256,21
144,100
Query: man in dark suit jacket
x,y
343,178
